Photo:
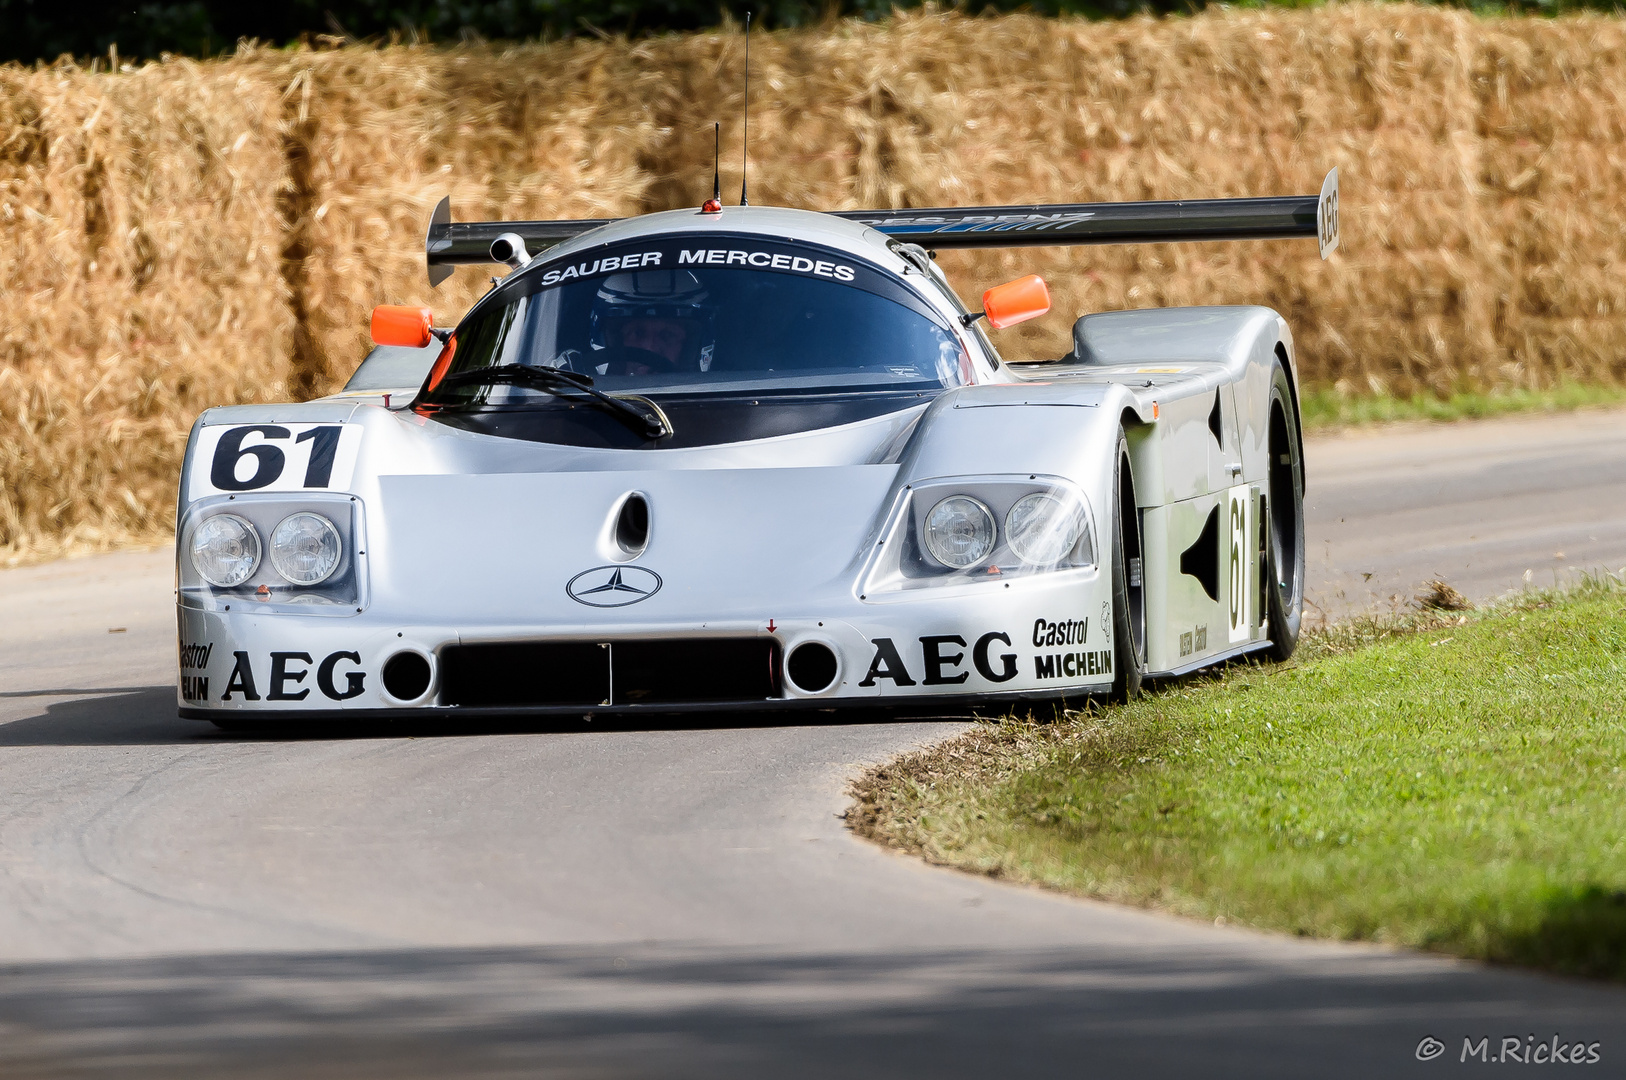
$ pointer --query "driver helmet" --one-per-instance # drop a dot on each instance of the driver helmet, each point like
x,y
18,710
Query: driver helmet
x,y
675,295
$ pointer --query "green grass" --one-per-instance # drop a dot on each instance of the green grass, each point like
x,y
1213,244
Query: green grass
x,y
1324,408
1455,785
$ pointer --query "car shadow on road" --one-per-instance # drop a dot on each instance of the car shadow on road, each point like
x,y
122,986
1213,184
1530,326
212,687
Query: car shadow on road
x,y
146,716
106,716
633,1010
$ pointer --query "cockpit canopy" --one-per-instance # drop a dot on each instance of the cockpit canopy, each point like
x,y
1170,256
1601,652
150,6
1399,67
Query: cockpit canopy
x,y
718,315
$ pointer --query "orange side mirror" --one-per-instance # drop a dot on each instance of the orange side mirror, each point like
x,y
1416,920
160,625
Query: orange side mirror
x,y
1016,301
396,325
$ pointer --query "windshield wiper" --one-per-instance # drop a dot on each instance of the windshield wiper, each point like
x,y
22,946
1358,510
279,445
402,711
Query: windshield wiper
x,y
650,420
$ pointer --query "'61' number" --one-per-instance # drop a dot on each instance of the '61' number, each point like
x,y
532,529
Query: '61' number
x,y
269,460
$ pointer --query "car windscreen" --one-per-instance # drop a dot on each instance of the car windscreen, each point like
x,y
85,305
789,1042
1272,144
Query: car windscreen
x,y
727,314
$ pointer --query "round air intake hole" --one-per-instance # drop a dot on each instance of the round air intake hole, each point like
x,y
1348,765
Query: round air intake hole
x,y
632,525
812,667
406,676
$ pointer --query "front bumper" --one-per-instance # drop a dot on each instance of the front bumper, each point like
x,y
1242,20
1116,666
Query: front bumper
x,y
1041,640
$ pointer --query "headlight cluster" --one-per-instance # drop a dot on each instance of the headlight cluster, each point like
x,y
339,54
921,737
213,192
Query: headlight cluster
x,y
305,549
979,532
1041,529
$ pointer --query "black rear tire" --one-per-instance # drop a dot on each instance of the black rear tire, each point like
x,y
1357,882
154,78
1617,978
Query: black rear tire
x,y
1128,583
1284,523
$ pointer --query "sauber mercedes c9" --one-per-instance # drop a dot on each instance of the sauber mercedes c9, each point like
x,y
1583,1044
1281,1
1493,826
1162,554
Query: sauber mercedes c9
x,y
754,458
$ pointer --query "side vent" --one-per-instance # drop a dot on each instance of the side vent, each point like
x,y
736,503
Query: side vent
x,y
1201,559
1216,421
632,525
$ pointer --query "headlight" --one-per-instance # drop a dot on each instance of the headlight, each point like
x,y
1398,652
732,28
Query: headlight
x,y
1041,529
225,550
305,548
959,532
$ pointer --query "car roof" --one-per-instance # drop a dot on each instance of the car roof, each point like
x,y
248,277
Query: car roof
x,y
768,222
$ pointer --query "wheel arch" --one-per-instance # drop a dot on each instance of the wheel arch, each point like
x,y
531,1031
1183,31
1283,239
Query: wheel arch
x,y
1284,354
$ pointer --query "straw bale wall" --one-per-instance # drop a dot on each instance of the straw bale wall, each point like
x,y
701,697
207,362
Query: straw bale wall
x,y
140,270
188,234
1552,123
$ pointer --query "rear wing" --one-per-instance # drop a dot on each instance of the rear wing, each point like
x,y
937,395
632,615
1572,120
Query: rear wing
x,y
450,244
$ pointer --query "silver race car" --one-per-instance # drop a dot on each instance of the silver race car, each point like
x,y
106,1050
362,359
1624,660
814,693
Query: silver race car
x,y
754,458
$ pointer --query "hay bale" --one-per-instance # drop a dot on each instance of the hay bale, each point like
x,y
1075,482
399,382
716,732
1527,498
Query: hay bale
x,y
375,137
939,109
140,266
1552,99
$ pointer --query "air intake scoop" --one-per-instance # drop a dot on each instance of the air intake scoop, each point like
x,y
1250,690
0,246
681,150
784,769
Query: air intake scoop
x,y
632,525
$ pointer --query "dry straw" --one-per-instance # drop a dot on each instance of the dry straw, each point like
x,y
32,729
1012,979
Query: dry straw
x,y
140,267
185,234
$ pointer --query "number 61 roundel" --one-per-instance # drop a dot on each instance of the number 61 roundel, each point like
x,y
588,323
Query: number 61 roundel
x,y
274,457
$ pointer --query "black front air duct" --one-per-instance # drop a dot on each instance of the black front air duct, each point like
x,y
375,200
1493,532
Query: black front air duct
x,y
547,674
406,676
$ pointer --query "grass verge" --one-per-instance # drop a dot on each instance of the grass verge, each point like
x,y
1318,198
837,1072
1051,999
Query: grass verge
x,y
1330,408
1445,782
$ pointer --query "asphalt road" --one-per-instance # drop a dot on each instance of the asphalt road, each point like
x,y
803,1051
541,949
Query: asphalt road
x,y
1487,507
685,901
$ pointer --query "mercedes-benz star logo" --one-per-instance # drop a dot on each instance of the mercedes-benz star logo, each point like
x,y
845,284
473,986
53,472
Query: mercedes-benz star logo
x,y
613,586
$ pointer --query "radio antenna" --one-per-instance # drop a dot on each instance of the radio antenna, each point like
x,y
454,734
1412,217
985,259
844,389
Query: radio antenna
x,y
714,205
745,142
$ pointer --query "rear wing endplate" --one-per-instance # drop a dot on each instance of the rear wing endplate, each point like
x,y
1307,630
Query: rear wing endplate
x,y
449,244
